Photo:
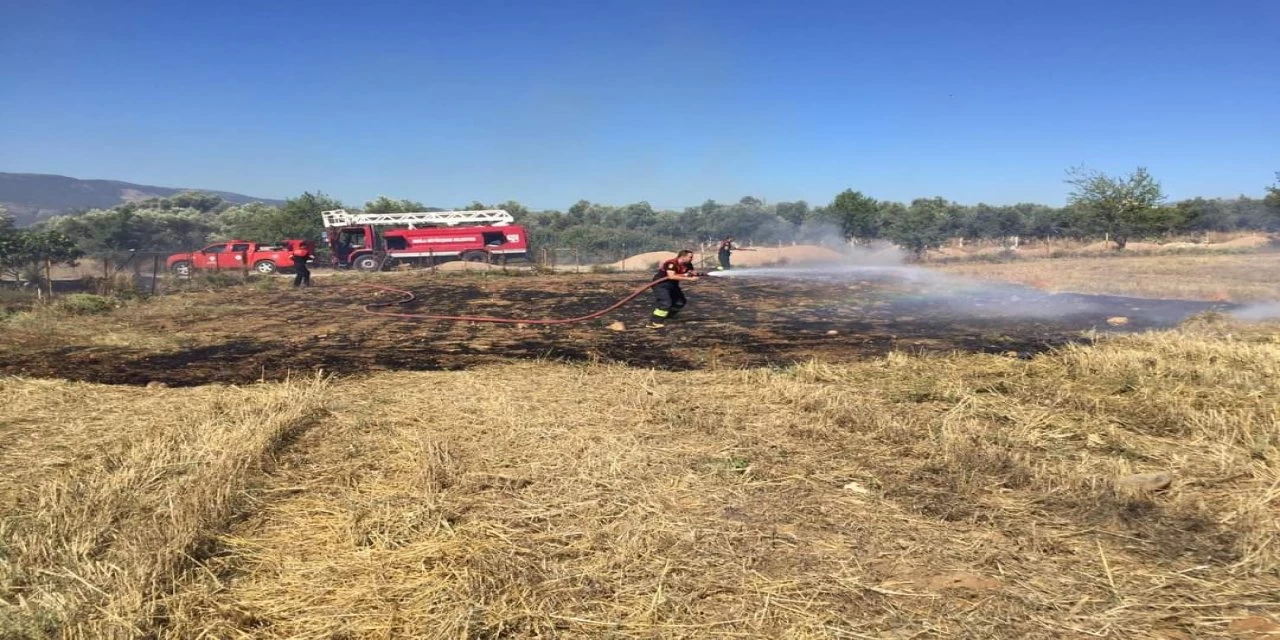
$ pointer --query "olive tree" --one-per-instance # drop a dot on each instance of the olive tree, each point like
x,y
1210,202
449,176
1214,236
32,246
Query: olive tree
x,y
1123,207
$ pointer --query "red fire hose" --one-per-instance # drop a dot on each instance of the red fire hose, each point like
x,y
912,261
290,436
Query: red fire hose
x,y
409,296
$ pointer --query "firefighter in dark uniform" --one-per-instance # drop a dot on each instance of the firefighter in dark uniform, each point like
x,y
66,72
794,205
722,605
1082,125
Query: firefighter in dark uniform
x,y
726,248
301,255
670,298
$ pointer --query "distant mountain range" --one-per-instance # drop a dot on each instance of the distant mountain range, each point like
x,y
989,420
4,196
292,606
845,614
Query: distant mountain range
x,y
30,197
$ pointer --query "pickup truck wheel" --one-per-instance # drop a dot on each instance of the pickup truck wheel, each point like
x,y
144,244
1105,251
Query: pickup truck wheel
x,y
182,268
265,267
367,263
475,256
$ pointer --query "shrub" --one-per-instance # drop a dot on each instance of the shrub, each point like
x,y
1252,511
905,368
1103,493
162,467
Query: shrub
x,y
86,304
206,280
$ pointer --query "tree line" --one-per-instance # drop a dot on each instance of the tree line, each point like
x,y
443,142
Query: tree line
x,y
1120,208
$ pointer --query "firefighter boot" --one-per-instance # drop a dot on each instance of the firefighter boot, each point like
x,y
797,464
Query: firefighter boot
x,y
659,318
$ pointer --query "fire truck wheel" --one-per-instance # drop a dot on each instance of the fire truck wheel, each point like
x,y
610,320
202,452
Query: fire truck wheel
x,y
182,268
265,267
475,256
366,263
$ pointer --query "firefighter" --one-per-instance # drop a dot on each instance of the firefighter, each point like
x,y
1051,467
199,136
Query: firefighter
x,y
301,255
726,248
670,298
344,250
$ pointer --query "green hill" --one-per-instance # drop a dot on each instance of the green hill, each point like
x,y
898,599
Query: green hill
x,y
30,197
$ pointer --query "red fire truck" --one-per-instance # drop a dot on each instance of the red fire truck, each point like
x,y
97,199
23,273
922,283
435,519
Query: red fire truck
x,y
375,241
235,255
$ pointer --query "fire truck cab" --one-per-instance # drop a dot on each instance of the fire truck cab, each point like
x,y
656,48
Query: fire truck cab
x,y
376,241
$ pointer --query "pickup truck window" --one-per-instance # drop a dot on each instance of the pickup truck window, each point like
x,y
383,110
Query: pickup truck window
x,y
239,248
217,248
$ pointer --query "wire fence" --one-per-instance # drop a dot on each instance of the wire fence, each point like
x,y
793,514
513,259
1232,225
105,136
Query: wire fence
x,y
135,273
151,273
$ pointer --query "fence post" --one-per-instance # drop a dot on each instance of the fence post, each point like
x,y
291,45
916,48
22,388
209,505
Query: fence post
x,y
155,272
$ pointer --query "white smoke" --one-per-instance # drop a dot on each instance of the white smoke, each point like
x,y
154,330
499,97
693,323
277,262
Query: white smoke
x,y
879,253
877,261
943,292
1258,312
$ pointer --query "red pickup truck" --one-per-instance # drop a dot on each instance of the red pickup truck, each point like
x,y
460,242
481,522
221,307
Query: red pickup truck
x,y
236,255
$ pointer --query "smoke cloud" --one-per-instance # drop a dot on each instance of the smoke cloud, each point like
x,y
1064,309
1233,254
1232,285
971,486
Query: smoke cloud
x,y
1258,312
880,272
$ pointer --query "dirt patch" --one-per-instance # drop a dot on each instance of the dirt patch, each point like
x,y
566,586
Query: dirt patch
x,y
1254,627
960,582
798,254
463,265
1181,246
1246,242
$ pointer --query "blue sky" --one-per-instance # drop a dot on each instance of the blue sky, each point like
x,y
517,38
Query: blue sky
x,y
670,102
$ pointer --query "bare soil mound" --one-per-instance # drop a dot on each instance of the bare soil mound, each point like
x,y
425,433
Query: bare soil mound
x,y
1179,246
1246,242
466,266
801,253
752,257
644,261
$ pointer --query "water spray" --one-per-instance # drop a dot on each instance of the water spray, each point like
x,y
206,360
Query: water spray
x,y
826,272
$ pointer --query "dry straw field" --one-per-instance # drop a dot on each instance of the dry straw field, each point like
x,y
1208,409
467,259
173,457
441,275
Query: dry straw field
x,y
1128,488
1240,277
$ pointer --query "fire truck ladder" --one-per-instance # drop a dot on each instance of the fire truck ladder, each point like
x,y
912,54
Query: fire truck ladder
x,y
491,217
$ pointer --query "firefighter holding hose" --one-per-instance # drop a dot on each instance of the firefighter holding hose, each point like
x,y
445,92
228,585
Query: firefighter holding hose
x,y
670,298
727,247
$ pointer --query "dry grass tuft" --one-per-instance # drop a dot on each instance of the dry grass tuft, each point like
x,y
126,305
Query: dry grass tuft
x,y
109,494
56,325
